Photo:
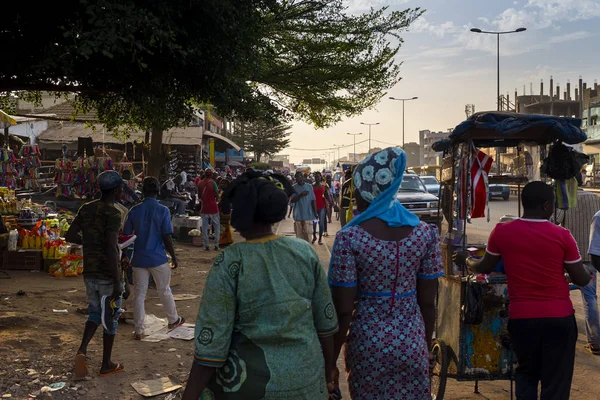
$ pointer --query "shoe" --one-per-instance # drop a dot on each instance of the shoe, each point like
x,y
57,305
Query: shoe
x,y
593,348
138,336
180,321
217,248
110,313
126,240
206,248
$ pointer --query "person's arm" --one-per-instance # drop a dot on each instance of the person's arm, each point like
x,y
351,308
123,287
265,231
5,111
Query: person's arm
x,y
343,280
431,268
73,234
214,325
215,190
298,196
324,316
134,196
112,227
167,232
490,260
572,261
594,248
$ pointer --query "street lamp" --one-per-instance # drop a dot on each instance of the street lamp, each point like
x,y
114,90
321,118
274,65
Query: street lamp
x,y
370,125
355,135
403,100
338,150
477,30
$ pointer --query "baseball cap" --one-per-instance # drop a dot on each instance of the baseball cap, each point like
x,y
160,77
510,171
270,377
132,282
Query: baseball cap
x,y
109,180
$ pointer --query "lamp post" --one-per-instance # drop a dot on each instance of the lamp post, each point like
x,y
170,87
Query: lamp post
x,y
477,30
403,100
370,125
498,102
355,135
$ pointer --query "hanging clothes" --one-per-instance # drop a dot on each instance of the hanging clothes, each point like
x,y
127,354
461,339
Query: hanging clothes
x,y
566,193
463,184
480,168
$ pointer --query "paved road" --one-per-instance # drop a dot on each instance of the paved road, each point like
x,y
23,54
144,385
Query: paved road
x,y
479,229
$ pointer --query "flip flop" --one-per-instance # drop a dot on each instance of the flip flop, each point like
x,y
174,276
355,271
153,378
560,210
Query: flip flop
x,y
118,368
81,369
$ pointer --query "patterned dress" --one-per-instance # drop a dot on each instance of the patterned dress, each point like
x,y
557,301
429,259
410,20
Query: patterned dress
x,y
265,304
386,351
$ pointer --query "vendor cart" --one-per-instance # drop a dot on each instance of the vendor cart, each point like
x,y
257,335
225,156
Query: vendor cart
x,y
467,349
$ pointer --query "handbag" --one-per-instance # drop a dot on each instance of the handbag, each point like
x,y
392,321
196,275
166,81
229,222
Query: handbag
x,y
472,308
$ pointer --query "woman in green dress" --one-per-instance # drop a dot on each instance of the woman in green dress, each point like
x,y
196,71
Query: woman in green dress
x,y
265,324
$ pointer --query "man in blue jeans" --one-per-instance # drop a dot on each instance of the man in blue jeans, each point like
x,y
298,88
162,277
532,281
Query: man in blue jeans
x,y
99,223
578,220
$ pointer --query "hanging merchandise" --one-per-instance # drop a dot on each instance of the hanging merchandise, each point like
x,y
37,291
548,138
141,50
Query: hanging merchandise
x,y
566,193
9,169
463,184
480,168
63,176
121,167
563,162
30,171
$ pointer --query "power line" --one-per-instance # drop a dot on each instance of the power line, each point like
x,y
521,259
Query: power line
x,y
327,148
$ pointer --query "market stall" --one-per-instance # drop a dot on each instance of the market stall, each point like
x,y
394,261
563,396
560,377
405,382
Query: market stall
x,y
476,346
34,237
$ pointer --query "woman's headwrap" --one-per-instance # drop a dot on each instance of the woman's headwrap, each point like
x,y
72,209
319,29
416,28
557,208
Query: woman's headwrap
x,y
378,178
254,197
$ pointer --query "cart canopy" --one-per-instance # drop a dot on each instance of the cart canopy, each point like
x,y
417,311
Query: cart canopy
x,y
498,129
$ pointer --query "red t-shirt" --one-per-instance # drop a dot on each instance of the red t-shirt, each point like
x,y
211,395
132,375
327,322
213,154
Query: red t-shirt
x,y
319,197
208,190
534,253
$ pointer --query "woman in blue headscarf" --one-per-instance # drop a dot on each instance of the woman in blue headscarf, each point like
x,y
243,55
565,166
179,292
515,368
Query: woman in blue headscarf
x,y
383,273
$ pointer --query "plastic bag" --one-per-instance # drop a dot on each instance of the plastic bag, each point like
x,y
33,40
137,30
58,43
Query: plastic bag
x,y
472,309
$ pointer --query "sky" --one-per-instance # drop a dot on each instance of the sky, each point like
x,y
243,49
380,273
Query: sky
x,y
446,66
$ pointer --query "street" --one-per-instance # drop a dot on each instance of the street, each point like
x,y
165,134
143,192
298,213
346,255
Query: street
x,y
479,229
38,344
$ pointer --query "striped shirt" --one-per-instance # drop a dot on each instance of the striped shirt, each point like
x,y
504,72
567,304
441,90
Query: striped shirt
x,y
578,220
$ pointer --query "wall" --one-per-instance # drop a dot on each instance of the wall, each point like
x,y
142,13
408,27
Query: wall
x,y
29,129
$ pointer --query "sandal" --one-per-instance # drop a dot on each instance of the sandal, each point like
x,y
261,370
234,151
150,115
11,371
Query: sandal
x,y
118,368
138,336
81,369
593,348
180,321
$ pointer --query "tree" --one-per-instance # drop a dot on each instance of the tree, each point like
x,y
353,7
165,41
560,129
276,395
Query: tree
x,y
262,139
146,65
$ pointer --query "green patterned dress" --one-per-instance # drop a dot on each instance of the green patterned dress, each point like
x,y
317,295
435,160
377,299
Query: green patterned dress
x,y
264,306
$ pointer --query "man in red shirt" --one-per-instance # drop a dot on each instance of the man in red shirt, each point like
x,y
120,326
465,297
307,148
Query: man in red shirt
x,y
209,194
541,324
319,191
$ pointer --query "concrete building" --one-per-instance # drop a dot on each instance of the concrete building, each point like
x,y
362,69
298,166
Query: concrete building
x,y
413,154
426,139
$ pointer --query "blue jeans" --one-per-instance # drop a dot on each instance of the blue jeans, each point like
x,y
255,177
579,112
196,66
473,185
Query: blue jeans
x,y
590,308
322,223
216,223
180,205
96,288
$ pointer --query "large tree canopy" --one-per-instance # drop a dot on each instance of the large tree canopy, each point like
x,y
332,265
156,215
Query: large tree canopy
x,y
262,139
146,64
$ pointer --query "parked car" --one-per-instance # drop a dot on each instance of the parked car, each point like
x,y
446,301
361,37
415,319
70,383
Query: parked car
x,y
432,185
414,196
498,190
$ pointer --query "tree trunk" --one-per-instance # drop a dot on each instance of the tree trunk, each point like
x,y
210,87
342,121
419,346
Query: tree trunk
x,y
155,160
257,157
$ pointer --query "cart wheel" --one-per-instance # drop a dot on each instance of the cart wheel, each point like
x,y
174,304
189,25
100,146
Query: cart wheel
x,y
439,370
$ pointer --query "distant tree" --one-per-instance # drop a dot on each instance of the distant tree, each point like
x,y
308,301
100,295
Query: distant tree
x,y
146,65
262,138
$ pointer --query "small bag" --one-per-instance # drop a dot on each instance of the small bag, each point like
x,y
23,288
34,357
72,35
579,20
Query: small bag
x,y
472,308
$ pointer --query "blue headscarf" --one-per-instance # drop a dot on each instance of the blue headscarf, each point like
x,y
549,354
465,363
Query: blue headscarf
x,y
378,178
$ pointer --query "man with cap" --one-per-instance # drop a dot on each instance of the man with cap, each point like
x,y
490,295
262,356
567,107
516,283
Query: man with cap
x,y
151,223
209,194
96,226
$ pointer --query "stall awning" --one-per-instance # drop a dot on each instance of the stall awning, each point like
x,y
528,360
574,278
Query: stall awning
x,y
223,138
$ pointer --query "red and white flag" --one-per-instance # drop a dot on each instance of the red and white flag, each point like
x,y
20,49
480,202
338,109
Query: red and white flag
x,y
480,167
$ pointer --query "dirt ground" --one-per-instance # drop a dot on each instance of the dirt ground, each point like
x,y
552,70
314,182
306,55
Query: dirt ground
x,y
37,346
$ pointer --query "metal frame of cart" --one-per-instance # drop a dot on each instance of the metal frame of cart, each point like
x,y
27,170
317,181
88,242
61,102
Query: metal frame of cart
x,y
482,352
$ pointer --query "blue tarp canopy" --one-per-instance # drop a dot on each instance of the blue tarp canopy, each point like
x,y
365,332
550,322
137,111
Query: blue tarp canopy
x,y
498,129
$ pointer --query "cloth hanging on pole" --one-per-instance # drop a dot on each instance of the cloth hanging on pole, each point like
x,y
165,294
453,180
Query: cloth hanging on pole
x,y
463,186
480,168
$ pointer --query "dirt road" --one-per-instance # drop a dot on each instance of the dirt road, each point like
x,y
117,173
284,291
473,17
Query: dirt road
x,y
37,346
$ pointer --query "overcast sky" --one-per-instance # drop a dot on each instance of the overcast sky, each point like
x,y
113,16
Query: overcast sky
x,y
447,66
